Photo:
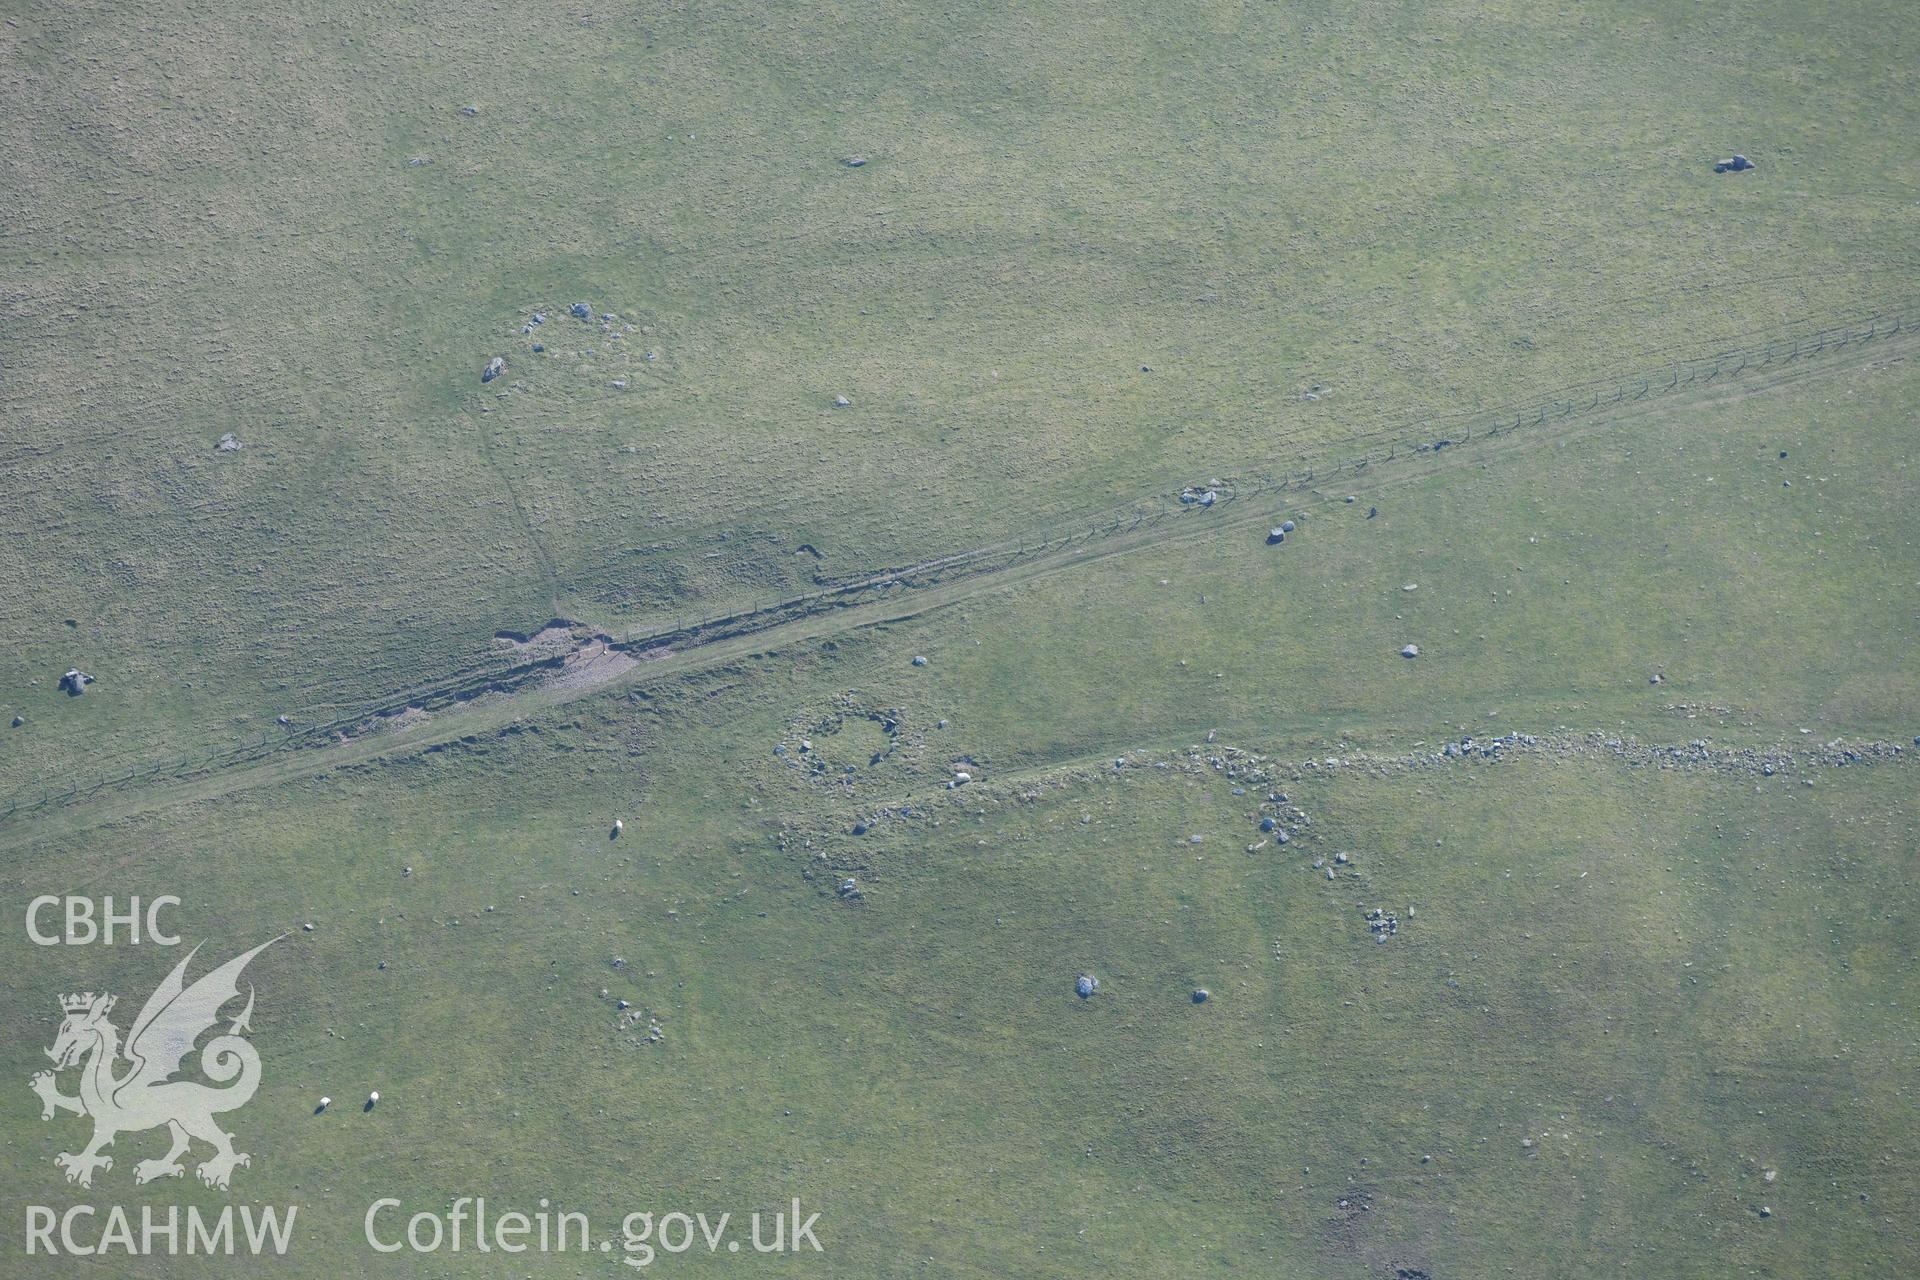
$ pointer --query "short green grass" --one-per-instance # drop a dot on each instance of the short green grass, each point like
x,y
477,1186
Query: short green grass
x,y
1668,981
214,226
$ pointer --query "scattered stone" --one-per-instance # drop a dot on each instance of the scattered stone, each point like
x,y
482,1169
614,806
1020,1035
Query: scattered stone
x,y
651,355
1341,859
1201,995
1348,498
307,927
1382,923
1766,1211
75,682
1268,823
619,384
841,402
1411,651
1085,985
1736,163
580,311
18,721
1769,1175
850,889
618,827
469,110
855,162
229,443
1195,838
919,661
1655,678
1286,526
1276,535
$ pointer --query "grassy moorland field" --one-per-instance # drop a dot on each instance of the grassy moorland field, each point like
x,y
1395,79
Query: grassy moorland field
x,y
1624,992
215,224
1648,1005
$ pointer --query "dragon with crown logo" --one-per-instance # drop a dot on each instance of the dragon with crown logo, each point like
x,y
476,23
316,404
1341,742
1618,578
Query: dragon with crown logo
x,y
144,1095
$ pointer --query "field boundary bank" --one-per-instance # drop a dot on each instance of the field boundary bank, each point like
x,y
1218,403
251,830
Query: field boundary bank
x,y
1420,438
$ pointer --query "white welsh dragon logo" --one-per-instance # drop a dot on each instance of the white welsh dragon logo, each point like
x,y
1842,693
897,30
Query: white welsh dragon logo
x,y
143,1097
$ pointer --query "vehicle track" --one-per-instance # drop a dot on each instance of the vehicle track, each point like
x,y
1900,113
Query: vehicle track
x,y
520,691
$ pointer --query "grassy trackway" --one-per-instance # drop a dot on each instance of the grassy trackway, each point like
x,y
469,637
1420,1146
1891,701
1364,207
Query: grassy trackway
x,y
63,816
